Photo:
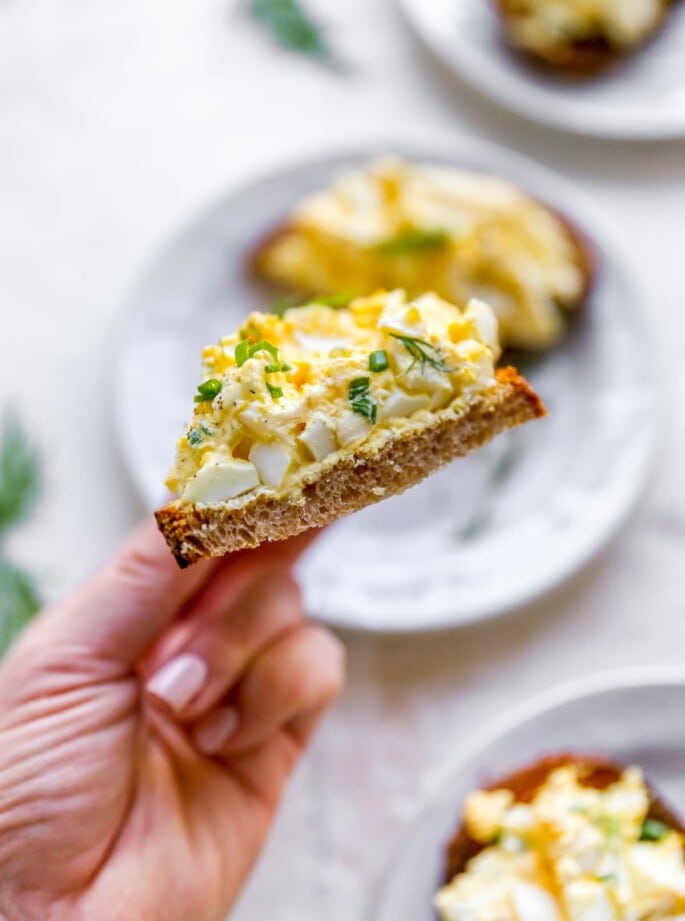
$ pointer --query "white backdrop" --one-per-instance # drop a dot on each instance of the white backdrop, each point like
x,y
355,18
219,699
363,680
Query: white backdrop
x,y
118,120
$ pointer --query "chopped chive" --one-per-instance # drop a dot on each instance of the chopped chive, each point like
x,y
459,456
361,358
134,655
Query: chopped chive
x,y
653,830
273,368
208,390
263,346
276,392
242,352
285,367
378,361
411,241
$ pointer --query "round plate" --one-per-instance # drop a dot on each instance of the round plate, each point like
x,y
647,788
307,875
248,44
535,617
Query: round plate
x,y
642,98
531,507
611,715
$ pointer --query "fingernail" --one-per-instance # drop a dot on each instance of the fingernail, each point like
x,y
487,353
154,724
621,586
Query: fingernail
x,y
181,679
216,730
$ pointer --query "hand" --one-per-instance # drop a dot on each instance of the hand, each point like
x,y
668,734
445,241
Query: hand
x,y
148,725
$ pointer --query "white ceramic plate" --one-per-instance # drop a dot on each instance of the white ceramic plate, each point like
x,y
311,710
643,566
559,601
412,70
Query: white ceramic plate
x,y
490,532
643,98
635,717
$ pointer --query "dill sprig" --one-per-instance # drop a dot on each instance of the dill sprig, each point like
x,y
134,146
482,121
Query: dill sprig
x,y
292,27
423,352
20,484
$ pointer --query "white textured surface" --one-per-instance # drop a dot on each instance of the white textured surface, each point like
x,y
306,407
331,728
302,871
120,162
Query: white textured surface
x,y
119,119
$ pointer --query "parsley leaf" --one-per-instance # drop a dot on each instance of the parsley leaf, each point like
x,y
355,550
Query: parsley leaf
x,y
196,435
19,602
360,398
291,27
413,241
423,351
19,476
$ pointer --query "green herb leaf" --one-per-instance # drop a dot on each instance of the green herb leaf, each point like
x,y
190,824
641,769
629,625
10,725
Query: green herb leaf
x,y
273,368
276,392
413,241
361,400
378,361
291,26
208,390
335,301
653,830
19,602
264,346
196,435
242,352
423,351
19,475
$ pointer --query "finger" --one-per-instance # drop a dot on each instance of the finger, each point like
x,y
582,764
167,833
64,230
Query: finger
x,y
298,675
219,595
218,650
122,608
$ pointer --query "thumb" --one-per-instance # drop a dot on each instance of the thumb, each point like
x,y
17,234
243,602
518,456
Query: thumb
x,y
122,609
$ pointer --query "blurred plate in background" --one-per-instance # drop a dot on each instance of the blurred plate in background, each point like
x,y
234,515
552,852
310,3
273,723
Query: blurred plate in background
x,y
486,534
610,715
643,98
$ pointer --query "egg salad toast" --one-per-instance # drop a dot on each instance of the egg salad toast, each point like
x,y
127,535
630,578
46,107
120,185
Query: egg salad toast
x,y
581,38
397,224
306,417
571,838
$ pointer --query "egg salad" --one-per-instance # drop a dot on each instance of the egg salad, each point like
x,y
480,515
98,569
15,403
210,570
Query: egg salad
x,y
288,394
571,854
429,228
543,25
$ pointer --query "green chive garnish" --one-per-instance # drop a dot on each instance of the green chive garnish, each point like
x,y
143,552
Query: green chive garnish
x,y
263,346
273,368
378,361
653,830
242,352
208,390
276,392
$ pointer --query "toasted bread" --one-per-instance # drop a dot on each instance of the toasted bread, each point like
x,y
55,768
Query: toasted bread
x,y
598,773
351,483
576,58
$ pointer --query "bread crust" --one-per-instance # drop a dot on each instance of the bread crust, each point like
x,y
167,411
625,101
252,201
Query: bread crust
x,y
577,60
597,772
355,481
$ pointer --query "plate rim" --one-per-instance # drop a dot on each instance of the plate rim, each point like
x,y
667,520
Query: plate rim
x,y
625,678
523,106
445,145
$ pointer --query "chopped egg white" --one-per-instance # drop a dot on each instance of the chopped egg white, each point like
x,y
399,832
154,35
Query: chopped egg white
x,y
285,395
574,853
421,228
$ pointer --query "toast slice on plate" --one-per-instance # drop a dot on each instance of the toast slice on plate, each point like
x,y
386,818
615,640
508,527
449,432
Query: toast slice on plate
x,y
580,39
570,831
306,417
421,227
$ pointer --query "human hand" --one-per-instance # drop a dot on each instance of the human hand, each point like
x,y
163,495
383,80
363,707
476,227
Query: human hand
x,y
148,725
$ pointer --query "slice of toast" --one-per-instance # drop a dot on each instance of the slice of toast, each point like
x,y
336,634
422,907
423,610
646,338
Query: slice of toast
x,y
578,57
352,482
597,773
